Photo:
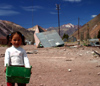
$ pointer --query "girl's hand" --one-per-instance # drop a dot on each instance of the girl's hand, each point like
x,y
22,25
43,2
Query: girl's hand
x,y
5,70
31,69
31,72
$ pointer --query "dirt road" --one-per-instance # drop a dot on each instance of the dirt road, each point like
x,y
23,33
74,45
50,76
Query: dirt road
x,y
61,66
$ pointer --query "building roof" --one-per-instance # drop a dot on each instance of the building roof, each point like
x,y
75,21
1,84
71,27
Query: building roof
x,y
2,37
93,40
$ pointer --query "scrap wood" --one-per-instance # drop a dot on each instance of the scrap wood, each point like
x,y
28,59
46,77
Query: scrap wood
x,y
97,53
32,52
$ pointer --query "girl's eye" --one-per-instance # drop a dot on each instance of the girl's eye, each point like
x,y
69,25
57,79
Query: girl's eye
x,y
14,39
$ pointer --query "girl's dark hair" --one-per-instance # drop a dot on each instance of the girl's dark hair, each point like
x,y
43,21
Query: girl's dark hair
x,y
10,36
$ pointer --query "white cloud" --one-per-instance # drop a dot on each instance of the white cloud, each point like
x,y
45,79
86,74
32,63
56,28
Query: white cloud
x,y
73,0
6,6
32,8
37,7
93,16
6,10
53,12
29,8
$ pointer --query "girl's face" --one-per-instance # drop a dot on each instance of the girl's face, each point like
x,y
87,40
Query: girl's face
x,y
16,40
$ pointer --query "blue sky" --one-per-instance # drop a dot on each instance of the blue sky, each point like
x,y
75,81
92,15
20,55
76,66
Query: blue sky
x,y
29,13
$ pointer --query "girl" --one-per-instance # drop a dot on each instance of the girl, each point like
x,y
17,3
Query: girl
x,y
15,55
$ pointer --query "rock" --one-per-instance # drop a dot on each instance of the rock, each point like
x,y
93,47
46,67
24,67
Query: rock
x,y
42,85
98,66
92,52
35,51
76,83
68,60
98,73
64,49
80,54
69,70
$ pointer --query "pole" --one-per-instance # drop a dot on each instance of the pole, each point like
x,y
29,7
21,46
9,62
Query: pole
x,y
32,12
78,28
78,33
58,8
88,33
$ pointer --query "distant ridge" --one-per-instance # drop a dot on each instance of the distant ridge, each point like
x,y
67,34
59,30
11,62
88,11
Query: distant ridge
x,y
66,28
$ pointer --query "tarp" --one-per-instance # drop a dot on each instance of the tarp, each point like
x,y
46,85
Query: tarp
x,y
50,39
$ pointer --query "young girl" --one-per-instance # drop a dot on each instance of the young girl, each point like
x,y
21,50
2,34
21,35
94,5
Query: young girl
x,y
15,55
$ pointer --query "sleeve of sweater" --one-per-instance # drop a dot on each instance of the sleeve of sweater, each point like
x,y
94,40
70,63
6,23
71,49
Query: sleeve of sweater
x,y
26,60
6,60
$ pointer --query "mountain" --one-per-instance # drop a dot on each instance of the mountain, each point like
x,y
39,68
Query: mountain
x,y
6,27
89,30
66,28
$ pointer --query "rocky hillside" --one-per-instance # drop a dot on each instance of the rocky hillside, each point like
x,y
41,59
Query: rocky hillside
x,y
89,30
6,27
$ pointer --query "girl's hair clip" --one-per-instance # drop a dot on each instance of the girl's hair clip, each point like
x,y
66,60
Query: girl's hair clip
x,y
9,34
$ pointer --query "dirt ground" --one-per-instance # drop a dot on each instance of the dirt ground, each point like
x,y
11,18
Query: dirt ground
x,y
60,66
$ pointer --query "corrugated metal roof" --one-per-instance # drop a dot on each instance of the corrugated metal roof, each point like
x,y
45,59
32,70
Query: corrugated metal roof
x,y
50,39
93,40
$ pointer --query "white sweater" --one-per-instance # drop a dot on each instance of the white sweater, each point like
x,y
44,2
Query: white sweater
x,y
16,57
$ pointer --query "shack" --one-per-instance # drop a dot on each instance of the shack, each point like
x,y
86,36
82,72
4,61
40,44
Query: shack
x,y
94,42
3,40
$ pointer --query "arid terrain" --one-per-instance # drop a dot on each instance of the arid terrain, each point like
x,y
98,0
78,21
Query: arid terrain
x,y
60,66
